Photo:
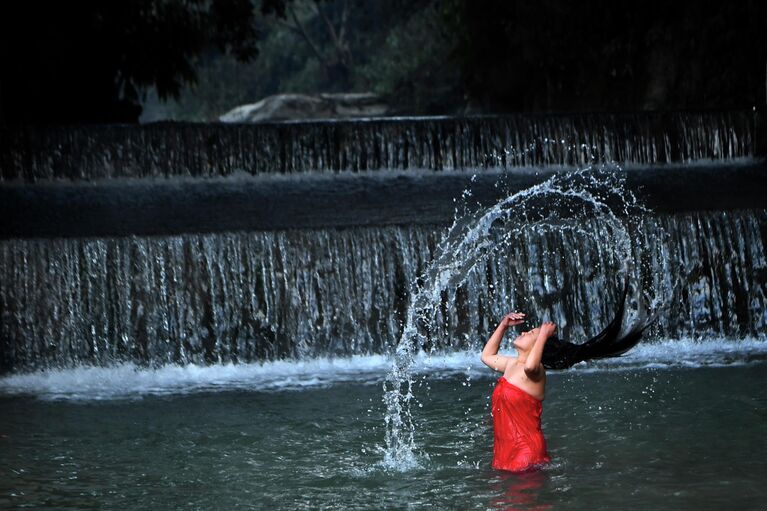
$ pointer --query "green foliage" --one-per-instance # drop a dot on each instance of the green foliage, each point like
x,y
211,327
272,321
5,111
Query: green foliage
x,y
524,55
400,51
413,65
89,61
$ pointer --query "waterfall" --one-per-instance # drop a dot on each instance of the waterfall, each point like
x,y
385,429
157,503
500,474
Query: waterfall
x,y
76,290
250,296
213,150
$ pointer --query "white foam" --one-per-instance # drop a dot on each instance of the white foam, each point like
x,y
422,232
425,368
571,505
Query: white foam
x,y
686,353
133,382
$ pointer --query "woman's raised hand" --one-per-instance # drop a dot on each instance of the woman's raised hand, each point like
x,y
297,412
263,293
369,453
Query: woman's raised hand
x,y
513,318
548,328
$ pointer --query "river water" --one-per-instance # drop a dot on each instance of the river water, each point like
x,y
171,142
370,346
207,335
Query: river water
x,y
673,425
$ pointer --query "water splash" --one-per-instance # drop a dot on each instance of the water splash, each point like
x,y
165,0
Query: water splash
x,y
559,204
130,381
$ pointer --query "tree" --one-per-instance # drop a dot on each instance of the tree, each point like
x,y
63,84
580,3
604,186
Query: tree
x,y
336,63
544,55
87,61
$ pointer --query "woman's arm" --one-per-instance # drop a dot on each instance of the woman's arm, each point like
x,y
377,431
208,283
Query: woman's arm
x,y
533,365
490,356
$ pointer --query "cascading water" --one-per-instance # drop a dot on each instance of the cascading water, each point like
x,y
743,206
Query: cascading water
x,y
253,296
441,143
241,297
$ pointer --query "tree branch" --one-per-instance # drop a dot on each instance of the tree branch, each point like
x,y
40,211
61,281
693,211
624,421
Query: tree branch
x,y
328,24
344,17
287,25
306,37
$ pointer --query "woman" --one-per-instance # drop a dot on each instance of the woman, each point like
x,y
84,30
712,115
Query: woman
x,y
517,400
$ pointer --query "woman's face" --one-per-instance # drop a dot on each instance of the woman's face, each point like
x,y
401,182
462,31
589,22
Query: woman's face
x,y
525,340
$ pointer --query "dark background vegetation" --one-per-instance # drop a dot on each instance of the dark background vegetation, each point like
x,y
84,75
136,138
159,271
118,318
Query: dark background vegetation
x,y
88,61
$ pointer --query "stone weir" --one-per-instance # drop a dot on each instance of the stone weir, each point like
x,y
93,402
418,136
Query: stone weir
x,y
167,179
180,243
441,143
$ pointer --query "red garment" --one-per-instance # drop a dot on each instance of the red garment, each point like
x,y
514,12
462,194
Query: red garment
x,y
518,439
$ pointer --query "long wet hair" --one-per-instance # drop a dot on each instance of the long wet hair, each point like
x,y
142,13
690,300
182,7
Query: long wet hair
x,y
613,341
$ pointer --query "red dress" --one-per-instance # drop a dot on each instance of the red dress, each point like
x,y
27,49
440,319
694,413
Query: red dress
x,y
518,440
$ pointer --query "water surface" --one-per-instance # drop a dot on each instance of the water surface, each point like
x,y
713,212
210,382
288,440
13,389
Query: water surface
x,y
642,433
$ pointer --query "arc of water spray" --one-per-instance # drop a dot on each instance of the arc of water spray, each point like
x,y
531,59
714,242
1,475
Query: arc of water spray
x,y
466,244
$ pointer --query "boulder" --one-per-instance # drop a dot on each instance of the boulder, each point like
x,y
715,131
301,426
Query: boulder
x,y
303,106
